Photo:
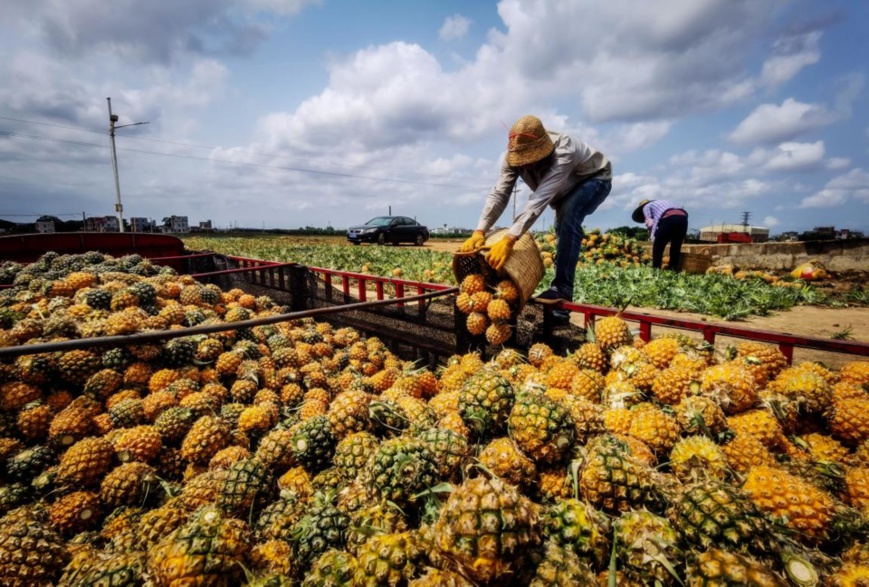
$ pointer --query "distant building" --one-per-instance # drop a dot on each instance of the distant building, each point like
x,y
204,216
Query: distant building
x,y
177,224
825,230
759,234
45,226
101,224
205,225
139,224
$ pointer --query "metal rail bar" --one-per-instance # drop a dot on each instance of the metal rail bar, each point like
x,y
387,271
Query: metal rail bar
x,y
145,337
785,342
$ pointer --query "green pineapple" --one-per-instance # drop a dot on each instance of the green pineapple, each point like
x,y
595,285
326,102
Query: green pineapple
x,y
313,443
402,468
542,428
612,479
323,527
246,481
450,448
353,452
711,514
577,526
485,402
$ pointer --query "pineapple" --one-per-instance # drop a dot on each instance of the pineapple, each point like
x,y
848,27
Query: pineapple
x,y
31,553
744,451
697,457
710,514
244,482
323,527
76,366
653,426
848,420
75,512
590,356
313,443
485,527
450,449
856,372
611,333
140,443
333,568
401,468
761,424
588,384
542,428
587,416
561,566
810,390
504,458
646,546
377,518
802,506
85,462
275,449
473,283
856,492
485,402
578,527
128,484
498,311
676,382
660,351
476,323
206,550
731,385
701,415
389,559
207,436
610,477
124,568
498,334
352,453
721,567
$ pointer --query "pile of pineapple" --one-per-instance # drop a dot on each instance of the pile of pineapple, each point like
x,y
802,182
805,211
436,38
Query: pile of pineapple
x,y
302,454
489,308
599,248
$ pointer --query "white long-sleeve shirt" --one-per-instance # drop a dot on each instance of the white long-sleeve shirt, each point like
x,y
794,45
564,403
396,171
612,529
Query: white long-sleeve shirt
x,y
571,163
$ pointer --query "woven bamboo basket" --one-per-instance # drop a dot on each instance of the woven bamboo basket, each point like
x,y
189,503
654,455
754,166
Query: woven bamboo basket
x,y
695,263
524,266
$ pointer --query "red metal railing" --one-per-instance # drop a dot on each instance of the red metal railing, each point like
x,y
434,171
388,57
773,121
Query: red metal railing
x,y
786,342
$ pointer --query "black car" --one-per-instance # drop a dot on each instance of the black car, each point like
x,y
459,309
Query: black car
x,y
389,229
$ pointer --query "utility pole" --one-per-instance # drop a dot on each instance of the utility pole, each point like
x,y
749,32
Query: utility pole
x,y
113,118
745,217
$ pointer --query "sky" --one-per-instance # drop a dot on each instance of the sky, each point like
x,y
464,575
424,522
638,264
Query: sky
x,y
292,113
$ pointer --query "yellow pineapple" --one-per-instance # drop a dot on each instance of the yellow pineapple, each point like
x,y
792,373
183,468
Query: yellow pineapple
x,y
697,457
730,385
611,333
799,504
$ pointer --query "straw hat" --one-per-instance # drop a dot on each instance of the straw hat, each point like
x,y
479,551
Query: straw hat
x,y
528,142
638,216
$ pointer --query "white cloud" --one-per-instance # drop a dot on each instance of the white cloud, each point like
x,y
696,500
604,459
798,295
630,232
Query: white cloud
x,y
284,7
796,157
770,221
769,123
851,185
454,27
790,56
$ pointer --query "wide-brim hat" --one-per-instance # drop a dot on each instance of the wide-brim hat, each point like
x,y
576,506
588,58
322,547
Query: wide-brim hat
x,y
528,142
638,215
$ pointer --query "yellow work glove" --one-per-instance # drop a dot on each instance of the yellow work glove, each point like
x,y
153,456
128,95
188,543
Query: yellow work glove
x,y
499,252
475,243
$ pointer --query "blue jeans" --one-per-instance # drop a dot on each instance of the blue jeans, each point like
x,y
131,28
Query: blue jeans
x,y
570,213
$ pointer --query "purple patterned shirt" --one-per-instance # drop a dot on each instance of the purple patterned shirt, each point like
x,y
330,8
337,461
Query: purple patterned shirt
x,y
653,212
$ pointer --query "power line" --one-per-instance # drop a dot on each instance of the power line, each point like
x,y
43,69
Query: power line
x,y
229,162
